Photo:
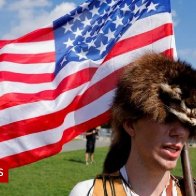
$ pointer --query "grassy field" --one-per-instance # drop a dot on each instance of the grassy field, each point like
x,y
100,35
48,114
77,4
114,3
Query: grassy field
x,y
56,176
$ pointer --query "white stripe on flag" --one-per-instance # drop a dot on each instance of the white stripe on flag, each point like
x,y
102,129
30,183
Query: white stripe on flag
x,y
29,48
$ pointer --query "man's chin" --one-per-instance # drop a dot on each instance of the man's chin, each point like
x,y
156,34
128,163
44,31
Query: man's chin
x,y
169,165
166,165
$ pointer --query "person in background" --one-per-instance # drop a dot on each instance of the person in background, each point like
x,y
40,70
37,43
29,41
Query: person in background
x,y
153,116
91,136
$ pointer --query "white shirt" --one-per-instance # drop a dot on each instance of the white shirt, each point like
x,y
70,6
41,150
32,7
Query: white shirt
x,y
82,188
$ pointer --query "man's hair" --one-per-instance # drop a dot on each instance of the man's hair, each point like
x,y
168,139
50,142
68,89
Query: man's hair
x,y
155,86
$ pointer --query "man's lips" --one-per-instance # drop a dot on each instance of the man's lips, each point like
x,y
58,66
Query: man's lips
x,y
172,147
172,151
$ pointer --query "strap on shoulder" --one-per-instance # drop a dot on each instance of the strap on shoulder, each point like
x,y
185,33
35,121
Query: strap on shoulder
x,y
108,185
180,182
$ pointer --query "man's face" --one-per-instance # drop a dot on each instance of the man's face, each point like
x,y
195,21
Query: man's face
x,y
158,145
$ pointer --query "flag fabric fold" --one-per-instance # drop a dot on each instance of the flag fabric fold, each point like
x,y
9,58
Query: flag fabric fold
x,y
58,81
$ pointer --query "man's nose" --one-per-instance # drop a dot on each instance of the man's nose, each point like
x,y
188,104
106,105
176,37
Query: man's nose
x,y
178,130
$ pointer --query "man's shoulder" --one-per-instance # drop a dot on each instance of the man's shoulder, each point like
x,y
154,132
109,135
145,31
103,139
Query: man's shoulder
x,y
180,181
82,188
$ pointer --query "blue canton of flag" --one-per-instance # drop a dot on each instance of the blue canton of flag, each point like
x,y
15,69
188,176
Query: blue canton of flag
x,y
92,29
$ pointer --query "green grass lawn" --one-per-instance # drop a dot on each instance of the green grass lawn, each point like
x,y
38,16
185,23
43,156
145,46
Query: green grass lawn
x,y
56,176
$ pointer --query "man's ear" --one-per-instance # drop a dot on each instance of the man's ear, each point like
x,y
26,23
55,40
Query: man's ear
x,y
129,128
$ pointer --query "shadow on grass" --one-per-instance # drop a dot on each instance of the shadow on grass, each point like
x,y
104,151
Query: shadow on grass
x,y
76,161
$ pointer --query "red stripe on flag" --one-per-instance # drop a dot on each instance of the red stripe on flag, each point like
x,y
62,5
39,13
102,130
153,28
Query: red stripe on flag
x,y
140,40
28,58
27,157
43,34
68,83
169,53
4,42
72,132
26,78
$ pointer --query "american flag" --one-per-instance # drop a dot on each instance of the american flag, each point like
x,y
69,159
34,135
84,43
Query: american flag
x,y
58,81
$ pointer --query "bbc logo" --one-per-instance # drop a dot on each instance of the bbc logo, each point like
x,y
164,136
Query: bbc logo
x,y
3,173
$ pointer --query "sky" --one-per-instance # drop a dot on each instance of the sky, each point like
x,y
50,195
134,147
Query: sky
x,y
19,17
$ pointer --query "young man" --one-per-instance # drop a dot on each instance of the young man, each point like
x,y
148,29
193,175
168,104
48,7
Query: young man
x,y
153,115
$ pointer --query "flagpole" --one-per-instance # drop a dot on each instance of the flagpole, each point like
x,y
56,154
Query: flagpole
x,y
187,172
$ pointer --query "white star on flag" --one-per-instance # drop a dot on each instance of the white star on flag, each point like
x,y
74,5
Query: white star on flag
x,y
102,48
67,27
136,10
69,42
95,11
78,32
118,21
152,6
126,8
110,34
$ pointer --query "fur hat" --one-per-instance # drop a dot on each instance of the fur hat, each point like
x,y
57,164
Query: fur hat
x,y
159,87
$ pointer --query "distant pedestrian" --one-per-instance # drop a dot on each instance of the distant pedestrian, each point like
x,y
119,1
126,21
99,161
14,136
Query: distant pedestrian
x,y
90,145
